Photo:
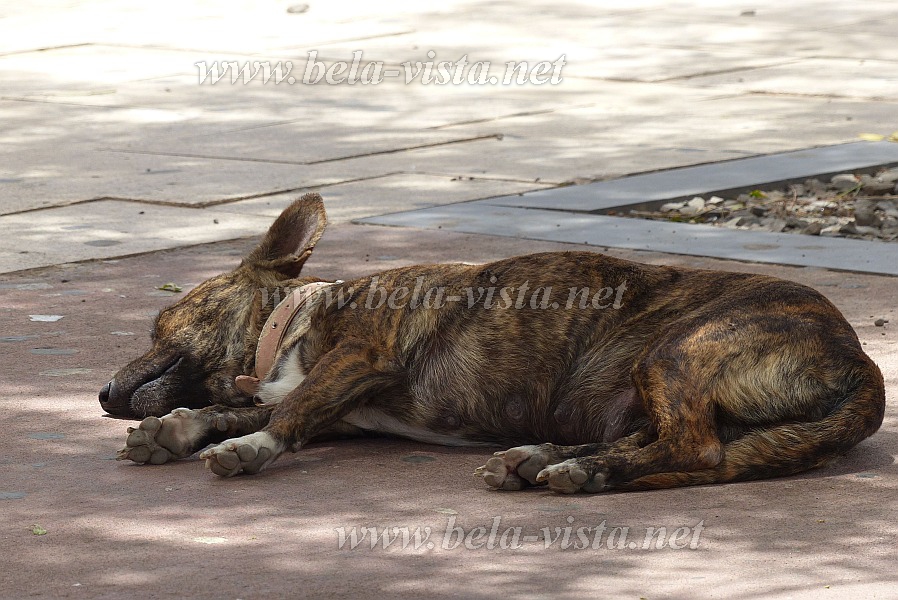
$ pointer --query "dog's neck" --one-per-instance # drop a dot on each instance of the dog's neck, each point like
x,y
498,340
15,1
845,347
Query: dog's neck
x,y
271,337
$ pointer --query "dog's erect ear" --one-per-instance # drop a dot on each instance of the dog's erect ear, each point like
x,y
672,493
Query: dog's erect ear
x,y
290,240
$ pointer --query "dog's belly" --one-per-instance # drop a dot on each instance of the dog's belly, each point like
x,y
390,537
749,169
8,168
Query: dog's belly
x,y
372,419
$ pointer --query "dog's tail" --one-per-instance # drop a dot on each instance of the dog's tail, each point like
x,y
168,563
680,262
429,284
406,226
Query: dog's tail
x,y
791,448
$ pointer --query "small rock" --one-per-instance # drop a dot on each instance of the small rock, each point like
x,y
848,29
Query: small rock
x,y
868,231
672,206
715,200
889,175
45,318
886,205
815,186
813,228
849,228
796,223
822,205
875,185
864,214
775,225
698,202
844,182
880,322
747,221
831,230
732,223
798,189
759,211
693,207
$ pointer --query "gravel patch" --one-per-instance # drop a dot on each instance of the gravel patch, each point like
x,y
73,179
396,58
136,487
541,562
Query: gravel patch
x,y
848,205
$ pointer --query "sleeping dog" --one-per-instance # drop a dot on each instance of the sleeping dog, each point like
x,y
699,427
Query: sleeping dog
x,y
599,373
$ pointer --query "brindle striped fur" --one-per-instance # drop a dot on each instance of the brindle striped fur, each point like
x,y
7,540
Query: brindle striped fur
x,y
698,376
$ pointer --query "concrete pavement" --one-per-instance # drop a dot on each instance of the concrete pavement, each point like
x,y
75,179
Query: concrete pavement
x,y
113,153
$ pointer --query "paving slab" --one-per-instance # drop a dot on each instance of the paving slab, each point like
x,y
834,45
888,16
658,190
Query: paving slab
x,y
244,27
48,178
89,69
844,77
238,105
300,143
381,195
623,135
53,154
110,228
719,178
640,42
660,236
581,56
176,531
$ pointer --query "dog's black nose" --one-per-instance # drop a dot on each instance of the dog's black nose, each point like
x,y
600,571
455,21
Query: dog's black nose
x,y
104,396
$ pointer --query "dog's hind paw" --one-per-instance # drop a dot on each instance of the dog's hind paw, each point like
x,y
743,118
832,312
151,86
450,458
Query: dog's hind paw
x,y
516,468
249,454
176,435
569,477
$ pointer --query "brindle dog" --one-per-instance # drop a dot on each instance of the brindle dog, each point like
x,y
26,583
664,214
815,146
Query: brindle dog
x,y
614,374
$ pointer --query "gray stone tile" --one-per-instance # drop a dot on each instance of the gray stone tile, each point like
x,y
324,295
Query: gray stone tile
x,y
720,178
674,238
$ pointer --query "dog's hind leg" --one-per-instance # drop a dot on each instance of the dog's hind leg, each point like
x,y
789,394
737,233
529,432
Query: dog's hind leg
x,y
517,468
184,431
806,419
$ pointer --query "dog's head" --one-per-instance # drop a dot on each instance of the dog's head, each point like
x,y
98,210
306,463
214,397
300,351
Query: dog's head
x,y
202,342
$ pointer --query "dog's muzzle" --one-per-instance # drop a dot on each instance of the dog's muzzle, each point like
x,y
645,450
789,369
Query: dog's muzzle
x,y
131,393
104,396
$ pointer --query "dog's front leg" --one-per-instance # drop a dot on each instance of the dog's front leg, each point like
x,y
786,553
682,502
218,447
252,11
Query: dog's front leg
x,y
182,432
337,384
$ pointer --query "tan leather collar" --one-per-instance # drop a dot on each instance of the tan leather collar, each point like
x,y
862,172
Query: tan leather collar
x,y
272,335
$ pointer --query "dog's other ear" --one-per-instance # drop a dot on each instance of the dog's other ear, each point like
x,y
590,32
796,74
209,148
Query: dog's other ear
x,y
291,238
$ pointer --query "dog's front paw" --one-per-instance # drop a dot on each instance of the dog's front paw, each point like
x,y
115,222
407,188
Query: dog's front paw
x,y
570,476
249,454
176,435
516,468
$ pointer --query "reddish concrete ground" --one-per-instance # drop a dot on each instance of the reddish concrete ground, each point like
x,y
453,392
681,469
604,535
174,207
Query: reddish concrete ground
x,y
116,529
